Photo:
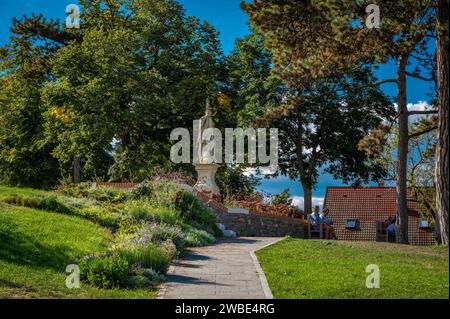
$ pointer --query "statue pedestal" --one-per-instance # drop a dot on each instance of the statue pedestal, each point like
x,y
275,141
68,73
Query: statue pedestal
x,y
206,179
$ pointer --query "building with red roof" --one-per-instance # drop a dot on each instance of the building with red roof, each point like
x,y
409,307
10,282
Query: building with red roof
x,y
359,213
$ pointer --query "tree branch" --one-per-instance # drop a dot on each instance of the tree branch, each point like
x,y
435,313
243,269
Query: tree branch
x,y
418,76
430,112
386,81
428,130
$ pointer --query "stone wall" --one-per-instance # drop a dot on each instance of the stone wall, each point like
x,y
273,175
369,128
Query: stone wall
x,y
254,225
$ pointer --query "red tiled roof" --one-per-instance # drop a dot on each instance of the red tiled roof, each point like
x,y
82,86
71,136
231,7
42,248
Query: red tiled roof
x,y
117,185
371,205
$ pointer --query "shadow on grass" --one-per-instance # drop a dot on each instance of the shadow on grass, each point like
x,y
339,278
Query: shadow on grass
x,y
18,248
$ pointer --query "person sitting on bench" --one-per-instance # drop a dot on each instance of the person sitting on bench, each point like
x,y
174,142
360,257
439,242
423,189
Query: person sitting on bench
x,y
327,225
390,229
315,216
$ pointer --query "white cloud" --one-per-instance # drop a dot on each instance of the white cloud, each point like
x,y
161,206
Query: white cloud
x,y
299,201
266,170
419,106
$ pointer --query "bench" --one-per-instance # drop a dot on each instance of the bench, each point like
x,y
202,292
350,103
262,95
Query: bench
x,y
314,228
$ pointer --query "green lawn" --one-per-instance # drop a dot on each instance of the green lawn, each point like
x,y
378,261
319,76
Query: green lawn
x,y
36,246
335,269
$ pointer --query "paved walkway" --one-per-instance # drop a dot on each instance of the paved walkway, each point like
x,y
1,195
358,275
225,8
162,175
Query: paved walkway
x,y
226,270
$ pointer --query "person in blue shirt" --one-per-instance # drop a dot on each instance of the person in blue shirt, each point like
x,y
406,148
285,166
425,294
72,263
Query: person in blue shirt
x,y
315,216
327,225
390,229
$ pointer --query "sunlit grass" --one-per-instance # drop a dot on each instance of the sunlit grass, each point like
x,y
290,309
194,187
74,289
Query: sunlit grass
x,y
334,269
35,248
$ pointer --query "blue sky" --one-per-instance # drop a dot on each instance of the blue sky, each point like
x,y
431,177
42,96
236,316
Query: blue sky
x,y
227,17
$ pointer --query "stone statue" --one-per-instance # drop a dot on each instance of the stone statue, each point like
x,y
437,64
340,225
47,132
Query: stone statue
x,y
205,123
206,171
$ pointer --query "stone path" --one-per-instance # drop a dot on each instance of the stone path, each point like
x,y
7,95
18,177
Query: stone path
x,y
226,270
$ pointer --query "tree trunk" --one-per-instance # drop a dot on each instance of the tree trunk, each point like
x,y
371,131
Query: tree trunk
x,y
126,140
402,155
76,170
307,199
442,160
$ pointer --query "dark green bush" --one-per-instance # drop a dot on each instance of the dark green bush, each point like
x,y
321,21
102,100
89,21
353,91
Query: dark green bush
x,y
195,213
104,272
141,192
51,204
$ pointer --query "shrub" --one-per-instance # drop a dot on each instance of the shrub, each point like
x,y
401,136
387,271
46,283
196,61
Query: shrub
x,y
194,212
141,191
160,233
147,256
142,277
104,272
170,248
163,194
102,194
146,211
197,238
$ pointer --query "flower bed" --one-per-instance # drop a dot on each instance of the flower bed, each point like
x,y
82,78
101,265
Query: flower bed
x,y
270,210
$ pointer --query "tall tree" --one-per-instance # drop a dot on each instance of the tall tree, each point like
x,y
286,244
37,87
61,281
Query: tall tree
x,y
311,39
442,149
25,156
381,147
320,123
134,71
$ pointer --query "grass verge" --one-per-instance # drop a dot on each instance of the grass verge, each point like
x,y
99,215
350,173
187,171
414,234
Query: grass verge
x,y
309,269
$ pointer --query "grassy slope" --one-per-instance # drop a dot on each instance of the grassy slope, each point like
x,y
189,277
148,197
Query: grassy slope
x,y
36,246
321,269
5,190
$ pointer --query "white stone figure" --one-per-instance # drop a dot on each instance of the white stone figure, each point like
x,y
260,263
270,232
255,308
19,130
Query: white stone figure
x,y
206,171
206,122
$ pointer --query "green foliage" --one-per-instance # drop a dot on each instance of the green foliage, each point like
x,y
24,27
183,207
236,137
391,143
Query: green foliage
x,y
148,256
143,277
320,121
195,213
284,198
254,90
25,156
141,192
134,71
159,234
104,272
104,194
234,184
197,238
327,36
145,210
